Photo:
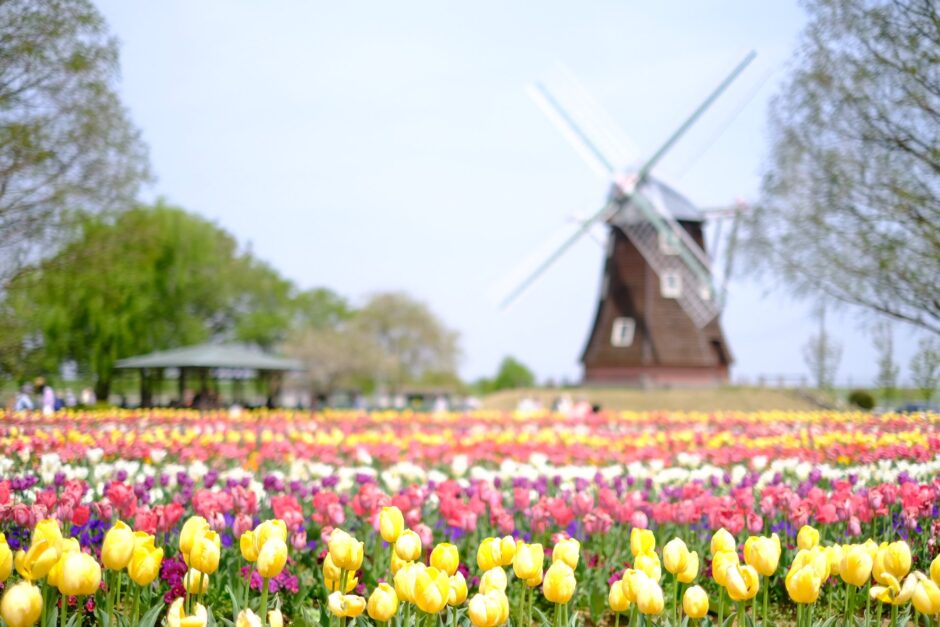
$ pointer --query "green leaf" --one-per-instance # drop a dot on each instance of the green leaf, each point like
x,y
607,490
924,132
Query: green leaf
x,y
152,616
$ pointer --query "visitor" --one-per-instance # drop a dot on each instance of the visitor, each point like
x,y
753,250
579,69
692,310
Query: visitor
x,y
23,400
48,400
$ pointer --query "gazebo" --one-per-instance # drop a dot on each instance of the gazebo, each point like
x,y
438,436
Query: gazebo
x,y
234,362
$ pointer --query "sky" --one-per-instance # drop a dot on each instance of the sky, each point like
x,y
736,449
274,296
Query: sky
x,y
372,146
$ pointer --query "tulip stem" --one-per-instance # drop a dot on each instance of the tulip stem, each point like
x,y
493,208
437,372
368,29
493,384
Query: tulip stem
x,y
868,603
251,572
264,601
453,616
741,614
136,604
894,615
62,612
117,591
849,605
721,606
675,598
558,615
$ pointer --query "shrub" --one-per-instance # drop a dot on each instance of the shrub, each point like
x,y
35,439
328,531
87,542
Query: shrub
x,y
861,399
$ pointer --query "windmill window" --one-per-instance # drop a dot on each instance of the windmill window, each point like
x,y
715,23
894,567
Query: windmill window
x,y
668,244
670,285
705,291
622,332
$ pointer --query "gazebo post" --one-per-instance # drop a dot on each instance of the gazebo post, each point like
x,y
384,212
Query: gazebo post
x,y
182,386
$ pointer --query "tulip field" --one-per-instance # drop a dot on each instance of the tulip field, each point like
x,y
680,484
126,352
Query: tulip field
x,y
179,518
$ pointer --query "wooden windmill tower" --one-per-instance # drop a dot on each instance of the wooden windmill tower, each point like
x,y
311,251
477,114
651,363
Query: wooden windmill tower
x,y
657,318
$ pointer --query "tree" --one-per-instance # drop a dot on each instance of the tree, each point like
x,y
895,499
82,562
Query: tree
x,y
412,338
512,374
335,356
925,367
822,354
143,280
66,142
887,379
851,205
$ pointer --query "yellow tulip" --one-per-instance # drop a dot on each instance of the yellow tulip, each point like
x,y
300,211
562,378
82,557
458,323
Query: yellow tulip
x,y
642,541
856,565
345,605
48,530
897,559
272,558
567,551
742,582
247,618
118,547
345,550
144,566
721,561
195,582
926,598
722,541
533,582
391,524
695,602
81,575
408,545
691,569
21,605
36,563
396,563
333,584
807,537
206,551
383,603
489,554
193,527
445,557
6,559
507,551
273,528
528,561
275,618
404,581
432,590
649,564
763,554
834,554
891,591
458,590
649,597
616,598
176,616
54,577
816,558
248,546
675,556
488,610
935,570
559,583
493,579
803,584
632,579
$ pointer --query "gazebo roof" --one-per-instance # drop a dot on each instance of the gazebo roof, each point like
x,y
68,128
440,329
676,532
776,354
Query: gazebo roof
x,y
234,356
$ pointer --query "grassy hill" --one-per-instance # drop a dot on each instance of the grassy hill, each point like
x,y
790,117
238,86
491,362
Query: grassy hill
x,y
730,398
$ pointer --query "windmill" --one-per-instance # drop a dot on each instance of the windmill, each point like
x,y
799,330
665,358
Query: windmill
x,y
657,318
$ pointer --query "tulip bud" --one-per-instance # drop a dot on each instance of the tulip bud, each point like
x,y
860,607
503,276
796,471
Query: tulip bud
x,y
567,551
330,570
616,599
333,584
391,524
649,564
408,545
445,557
345,550
803,584
432,590
404,581
632,579
742,582
559,583
118,546
642,541
81,575
247,618
722,541
383,603
675,556
275,618
144,566
897,559
493,579
489,554
458,590
397,563
176,616
488,610
21,605
935,570
193,527
272,558
695,602
807,538
649,597
345,605
763,554
528,561
49,530
856,566
926,597
507,551
6,559
691,569
206,552
249,548
36,563
273,528
195,582
720,563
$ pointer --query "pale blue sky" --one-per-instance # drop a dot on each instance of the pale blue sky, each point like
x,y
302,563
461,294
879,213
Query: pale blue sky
x,y
369,146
